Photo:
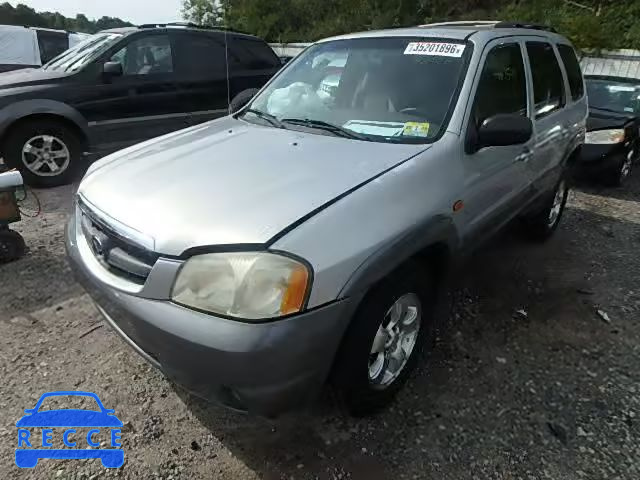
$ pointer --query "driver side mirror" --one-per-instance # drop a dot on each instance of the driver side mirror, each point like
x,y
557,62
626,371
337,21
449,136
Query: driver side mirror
x,y
242,99
112,69
503,130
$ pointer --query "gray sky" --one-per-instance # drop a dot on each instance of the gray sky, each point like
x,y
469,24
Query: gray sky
x,y
134,11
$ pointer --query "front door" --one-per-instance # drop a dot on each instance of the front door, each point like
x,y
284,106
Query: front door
x,y
496,182
143,102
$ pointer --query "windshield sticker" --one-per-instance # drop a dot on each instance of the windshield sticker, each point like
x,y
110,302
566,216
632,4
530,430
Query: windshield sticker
x,y
416,129
438,49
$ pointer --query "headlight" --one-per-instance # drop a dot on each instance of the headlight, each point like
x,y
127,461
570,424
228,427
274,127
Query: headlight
x,y
605,137
251,285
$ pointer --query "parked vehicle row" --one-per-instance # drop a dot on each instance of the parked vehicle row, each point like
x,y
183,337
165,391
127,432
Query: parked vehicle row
x,y
120,87
304,240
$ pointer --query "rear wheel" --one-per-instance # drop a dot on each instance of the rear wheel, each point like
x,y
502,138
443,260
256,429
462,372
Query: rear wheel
x,y
47,153
541,225
383,342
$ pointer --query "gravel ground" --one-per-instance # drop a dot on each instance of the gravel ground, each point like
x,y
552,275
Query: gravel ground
x,y
526,381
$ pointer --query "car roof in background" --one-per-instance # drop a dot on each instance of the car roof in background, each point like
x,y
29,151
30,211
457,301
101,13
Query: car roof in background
x,y
178,26
483,31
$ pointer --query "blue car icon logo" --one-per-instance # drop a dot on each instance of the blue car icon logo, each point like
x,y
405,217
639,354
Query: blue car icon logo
x,y
68,419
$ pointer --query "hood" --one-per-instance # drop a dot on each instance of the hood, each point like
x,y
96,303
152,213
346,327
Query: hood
x,y
28,76
229,182
600,119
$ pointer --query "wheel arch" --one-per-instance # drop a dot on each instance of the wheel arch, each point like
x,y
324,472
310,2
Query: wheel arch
x,y
20,113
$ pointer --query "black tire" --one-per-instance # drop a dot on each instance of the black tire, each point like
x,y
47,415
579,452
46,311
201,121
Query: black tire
x,y
18,137
242,99
539,226
617,176
12,246
351,372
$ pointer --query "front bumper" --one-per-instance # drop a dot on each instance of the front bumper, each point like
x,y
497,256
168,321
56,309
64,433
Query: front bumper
x,y
595,159
265,369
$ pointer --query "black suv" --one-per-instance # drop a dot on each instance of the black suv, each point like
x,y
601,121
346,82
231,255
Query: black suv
x,y
120,87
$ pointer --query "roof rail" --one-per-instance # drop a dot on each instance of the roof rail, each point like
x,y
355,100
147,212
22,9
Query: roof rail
x,y
186,25
463,23
531,26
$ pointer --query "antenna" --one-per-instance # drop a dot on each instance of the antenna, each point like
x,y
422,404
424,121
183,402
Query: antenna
x,y
226,58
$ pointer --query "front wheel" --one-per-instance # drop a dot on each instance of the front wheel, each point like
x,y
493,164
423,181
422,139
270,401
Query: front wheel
x,y
617,176
47,152
383,342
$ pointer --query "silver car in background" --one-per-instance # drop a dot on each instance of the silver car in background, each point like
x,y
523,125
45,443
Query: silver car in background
x,y
303,240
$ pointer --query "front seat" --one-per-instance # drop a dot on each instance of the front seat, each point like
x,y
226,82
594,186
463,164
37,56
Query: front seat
x,y
373,93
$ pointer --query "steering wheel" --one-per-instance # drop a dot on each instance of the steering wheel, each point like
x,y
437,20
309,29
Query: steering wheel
x,y
416,112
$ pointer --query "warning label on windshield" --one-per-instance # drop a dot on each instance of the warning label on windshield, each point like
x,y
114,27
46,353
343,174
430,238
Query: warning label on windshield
x,y
438,49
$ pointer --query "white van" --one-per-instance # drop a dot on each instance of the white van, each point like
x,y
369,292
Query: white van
x,y
31,47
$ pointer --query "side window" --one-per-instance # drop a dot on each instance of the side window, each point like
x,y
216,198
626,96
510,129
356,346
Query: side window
x,y
503,84
51,44
247,54
199,55
548,84
574,73
145,56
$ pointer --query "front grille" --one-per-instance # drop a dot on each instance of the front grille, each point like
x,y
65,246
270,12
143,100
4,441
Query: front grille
x,y
115,252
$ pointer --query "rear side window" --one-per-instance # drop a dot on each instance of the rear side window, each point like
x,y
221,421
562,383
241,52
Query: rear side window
x,y
51,44
503,84
247,54
574,73
548,84
200,55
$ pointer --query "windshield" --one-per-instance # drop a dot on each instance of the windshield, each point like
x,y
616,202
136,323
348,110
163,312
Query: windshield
x,y
392,89
84,52
616,96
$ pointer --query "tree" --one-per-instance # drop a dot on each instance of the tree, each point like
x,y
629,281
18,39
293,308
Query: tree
x,y
202,12
24,15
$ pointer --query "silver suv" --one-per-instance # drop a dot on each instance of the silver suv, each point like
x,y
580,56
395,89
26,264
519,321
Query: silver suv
x,y
302,240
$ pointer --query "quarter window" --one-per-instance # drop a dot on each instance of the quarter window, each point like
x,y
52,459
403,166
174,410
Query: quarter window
x,y
146,56
548,84
503,84
574,73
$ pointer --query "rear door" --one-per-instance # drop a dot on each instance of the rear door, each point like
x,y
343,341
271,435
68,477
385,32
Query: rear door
x,y
496,183
549,97
252,63
201,74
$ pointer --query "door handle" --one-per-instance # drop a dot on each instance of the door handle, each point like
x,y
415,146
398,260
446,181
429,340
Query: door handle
x,y
525,156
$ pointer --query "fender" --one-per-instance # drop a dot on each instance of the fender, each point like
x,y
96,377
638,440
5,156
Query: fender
x,y
438,230
18,110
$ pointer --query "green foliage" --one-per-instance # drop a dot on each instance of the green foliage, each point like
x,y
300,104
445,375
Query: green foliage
x,y
24,15
589,23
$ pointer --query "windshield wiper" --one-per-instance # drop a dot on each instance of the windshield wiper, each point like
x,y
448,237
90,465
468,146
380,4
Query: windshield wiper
x,y
272,119
326,126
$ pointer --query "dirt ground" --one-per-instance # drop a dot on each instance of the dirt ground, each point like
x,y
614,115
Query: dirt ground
x,y
526,381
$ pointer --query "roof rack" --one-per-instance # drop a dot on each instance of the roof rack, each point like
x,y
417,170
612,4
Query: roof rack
x,y
530,26
185,25
491,24
463,23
